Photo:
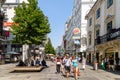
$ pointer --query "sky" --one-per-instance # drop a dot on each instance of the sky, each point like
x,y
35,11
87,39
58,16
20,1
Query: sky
x,y
58,12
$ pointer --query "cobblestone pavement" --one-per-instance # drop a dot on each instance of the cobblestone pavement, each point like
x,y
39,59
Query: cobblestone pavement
x,y
49,74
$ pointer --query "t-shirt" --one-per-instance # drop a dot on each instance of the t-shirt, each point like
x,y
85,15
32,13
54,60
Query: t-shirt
x,y
68,62
58,61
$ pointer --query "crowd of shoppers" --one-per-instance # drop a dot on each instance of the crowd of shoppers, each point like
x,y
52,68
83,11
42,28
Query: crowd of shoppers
x,y
68,64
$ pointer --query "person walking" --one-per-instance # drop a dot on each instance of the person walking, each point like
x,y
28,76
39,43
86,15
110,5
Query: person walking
x,y
67,65
58,64
63,64
75,67
83,63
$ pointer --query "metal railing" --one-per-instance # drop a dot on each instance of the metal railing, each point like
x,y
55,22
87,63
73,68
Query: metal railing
x,y
114,34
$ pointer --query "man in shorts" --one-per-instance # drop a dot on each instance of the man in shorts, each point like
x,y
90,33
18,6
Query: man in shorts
x,y
67,65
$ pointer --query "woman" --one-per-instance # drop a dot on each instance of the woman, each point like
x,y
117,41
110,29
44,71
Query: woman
x,y
75,67
58,64
63,64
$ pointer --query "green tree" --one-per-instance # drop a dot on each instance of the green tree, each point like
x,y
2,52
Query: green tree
x,y
49,49
30,24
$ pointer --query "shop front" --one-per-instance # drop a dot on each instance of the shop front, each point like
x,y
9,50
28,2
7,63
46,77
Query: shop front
x,y
110,50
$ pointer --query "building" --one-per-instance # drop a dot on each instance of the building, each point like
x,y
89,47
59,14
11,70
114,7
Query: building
x,y
77,23
85,7
8,9
103,30
69,45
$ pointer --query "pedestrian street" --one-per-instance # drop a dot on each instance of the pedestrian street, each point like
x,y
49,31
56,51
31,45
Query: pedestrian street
x,y
49,74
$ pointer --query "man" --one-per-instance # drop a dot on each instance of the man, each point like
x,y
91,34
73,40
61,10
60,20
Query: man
x,y
67,65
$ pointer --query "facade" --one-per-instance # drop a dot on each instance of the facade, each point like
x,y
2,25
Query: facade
x,y
8,9
77,20
69,46
103,31
85,7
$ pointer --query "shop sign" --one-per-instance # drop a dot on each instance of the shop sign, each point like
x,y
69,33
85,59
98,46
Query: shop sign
x,y
76,33
8,24
76,30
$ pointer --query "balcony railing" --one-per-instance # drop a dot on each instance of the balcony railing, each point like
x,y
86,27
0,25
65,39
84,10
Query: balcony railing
x,y
114,34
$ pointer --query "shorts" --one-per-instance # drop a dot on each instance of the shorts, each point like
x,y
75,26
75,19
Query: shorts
x,y
67,69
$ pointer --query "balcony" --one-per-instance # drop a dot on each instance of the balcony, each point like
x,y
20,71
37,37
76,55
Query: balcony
x,y
113,35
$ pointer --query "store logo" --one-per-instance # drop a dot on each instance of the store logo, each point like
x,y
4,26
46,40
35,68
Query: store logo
x,y
76,30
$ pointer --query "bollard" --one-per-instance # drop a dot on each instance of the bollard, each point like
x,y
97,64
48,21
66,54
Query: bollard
x,y
95,66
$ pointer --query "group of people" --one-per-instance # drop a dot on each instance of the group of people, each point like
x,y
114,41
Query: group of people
x,y
108,63
33,61
68,64
36,61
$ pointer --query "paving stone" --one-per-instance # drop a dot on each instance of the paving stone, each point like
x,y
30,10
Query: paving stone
x,y
49,74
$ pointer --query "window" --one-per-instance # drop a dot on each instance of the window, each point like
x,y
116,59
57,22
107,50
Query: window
x,y
90,21
4,9
84,40
17,1
97,33
98,13
109,27
109,3
97,37
90,39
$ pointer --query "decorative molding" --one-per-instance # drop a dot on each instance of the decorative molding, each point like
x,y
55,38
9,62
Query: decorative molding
x,y
115,44
108,18
90,32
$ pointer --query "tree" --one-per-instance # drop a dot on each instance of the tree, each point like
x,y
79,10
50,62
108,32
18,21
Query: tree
x,y
49,48
30,24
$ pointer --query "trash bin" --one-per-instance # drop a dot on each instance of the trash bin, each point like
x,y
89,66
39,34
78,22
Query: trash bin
x,y
95,66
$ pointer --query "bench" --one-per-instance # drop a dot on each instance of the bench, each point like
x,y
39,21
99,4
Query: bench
x,y
28,68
